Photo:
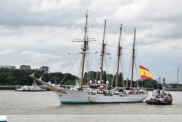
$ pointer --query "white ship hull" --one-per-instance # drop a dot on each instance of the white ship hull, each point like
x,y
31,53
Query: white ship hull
x,y
31,90
74,96
80,97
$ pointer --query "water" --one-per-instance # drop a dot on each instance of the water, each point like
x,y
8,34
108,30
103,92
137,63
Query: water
x,y
47,103
46,107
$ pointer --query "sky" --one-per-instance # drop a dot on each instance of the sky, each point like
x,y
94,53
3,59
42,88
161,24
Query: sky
x,y
40,32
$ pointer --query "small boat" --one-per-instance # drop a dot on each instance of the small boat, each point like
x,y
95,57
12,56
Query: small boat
x,y
33,88
160,96
54,84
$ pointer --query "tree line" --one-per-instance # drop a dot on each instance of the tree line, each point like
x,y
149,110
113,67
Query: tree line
x,y
21,77
91,75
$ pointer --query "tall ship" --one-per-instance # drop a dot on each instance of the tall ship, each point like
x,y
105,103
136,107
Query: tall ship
x,y
98,91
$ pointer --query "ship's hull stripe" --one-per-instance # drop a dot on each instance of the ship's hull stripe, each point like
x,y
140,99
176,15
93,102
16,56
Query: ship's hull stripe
x,y
70,102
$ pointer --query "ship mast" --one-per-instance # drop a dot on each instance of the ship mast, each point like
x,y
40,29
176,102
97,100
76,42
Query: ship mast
x,y
85,41
102,52
119,53
133,59
85,47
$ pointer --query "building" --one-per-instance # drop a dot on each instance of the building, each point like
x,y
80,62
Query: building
x,y
25,67
6,66
45,68
170,86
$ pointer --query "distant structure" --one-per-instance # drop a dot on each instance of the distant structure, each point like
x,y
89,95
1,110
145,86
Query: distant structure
x,y
25,67
159,79
44,68
164,81
169,86
178,76
7,66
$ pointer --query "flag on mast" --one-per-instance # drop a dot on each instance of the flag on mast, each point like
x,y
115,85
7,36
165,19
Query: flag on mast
x,y
145,73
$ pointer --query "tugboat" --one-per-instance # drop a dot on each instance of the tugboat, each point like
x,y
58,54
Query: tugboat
x,y
160,95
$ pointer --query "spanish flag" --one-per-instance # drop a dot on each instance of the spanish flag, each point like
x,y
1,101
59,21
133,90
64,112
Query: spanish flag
x,y
145,73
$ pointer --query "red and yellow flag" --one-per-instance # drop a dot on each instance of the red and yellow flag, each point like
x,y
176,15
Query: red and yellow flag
x,y
145,73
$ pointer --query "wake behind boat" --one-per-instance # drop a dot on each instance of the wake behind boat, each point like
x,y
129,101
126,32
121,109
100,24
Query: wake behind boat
x,y
97,91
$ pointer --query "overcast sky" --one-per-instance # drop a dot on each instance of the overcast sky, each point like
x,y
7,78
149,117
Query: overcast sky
x,y
40,32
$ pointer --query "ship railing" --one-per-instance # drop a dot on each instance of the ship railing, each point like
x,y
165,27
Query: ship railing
x,y
41,86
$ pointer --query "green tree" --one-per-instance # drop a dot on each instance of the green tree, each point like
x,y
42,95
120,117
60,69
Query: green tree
x,y
69,82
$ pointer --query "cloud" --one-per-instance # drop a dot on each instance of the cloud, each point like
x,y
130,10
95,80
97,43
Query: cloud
x,y
27,52
177,47
7,52
56,5
39,57
38,30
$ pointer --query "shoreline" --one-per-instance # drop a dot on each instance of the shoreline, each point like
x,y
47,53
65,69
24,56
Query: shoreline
x,y
8,87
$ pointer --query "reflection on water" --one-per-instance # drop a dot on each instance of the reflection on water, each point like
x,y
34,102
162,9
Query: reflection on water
x,y
47,103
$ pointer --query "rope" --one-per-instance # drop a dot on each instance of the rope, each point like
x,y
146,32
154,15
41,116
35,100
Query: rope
x,y
106,60
122,79
59,56
57,48
87,66
136,62
123,61
112,34
97,29
137,53
129,73
111,45
63,67
114,72
69,70
91,65
98,66
56,61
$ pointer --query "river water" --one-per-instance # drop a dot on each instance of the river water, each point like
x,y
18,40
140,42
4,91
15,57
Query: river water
x,y
47,103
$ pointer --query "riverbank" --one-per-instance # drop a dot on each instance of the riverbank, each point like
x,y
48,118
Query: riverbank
x,y
10,87
174,89
7,87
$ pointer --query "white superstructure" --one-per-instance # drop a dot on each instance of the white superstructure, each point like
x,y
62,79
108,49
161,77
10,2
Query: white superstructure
x,y
34,87
75,96
90,95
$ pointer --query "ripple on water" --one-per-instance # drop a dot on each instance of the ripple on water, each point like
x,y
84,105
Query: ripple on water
x,y
47,103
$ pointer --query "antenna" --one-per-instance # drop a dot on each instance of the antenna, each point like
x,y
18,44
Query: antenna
x,y
164,80
159,79
87,11
178,76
